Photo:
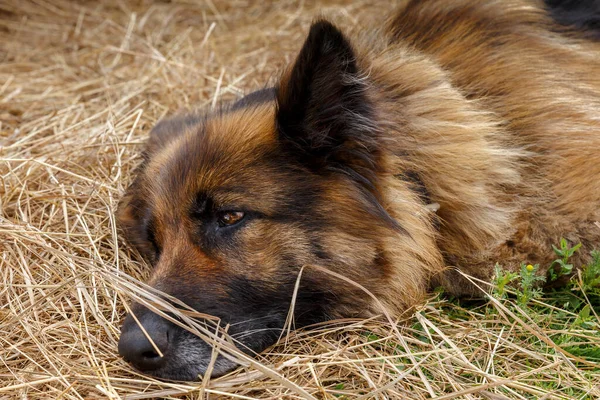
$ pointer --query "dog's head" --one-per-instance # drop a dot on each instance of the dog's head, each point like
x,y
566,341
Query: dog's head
x,y
229,206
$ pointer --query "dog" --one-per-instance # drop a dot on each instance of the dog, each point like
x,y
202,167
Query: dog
x,y
456,135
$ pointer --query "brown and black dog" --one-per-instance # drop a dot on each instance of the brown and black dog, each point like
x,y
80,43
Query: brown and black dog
x,y
459,134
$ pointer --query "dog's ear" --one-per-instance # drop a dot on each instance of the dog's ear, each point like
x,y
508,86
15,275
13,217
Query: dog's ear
x,y
168,129
324,115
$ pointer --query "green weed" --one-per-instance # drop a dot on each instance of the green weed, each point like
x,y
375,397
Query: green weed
x,y
571,311
564,252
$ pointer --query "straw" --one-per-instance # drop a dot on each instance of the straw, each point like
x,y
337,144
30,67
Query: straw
x,y
81,85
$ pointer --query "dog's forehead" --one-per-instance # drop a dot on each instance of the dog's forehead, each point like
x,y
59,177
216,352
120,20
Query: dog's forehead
x,y
218,157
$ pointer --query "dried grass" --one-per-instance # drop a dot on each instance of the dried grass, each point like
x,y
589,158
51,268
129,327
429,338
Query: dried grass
x,y
81,84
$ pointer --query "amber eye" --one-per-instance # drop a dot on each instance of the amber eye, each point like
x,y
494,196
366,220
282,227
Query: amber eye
x,y
229,218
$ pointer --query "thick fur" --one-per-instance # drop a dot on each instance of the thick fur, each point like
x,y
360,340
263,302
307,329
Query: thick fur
x,y
485,110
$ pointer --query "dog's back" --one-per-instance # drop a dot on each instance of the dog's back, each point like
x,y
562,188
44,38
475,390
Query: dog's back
x,y
511,152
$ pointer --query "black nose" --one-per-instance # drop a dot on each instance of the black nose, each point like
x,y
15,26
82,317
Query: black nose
x,y
135,347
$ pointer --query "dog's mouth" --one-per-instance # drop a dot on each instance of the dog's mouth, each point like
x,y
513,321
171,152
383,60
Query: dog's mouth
x,y
189,363
177,354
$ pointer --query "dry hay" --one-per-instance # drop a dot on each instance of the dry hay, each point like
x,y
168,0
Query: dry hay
x,y
81,84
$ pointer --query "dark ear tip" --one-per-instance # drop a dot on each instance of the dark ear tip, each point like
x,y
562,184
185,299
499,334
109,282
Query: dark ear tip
x,y
322,28
323,24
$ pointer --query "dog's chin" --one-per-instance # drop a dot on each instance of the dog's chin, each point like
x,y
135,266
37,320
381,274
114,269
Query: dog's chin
x,y
193,372
190,362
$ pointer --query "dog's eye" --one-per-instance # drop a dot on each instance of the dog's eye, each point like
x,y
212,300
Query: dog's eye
x,y
230,218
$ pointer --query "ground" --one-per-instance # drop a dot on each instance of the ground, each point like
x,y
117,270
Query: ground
x,y
81,84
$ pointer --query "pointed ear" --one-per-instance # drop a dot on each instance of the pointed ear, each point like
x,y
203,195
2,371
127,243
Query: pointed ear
x,y
324,114
168,129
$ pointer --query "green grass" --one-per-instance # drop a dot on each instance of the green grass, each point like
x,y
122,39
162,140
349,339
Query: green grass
x,y
566,311
568,316
547,342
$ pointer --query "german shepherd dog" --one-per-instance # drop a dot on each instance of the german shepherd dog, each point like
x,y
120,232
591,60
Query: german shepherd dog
x,y
456,135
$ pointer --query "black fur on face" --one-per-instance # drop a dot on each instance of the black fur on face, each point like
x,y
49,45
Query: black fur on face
x,y
254,312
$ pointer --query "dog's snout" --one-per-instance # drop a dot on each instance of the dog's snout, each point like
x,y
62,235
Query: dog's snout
x,y
135,347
